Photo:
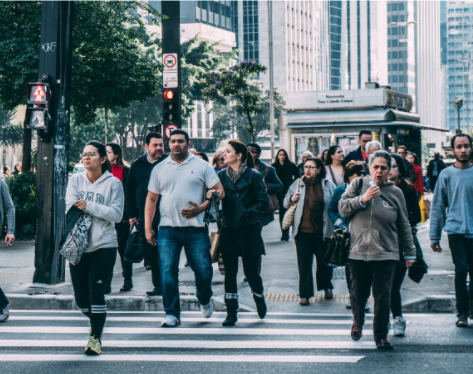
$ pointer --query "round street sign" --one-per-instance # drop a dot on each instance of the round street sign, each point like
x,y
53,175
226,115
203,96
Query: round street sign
x,y
169,129
170,60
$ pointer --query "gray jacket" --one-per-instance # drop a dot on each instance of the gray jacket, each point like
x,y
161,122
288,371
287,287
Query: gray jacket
x,y
380,229
6,206
329,187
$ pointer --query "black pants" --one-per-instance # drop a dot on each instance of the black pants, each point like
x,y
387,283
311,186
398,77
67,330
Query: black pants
x,y
396,300
251,269
89,278
379,275
308,245
123,231
461,248
282,212
433,183
152,259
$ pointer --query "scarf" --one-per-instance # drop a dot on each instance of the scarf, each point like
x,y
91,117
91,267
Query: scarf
x,y
314,198
236,175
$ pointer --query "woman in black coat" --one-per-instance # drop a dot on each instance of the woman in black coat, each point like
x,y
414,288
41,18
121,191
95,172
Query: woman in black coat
x,y
240,235
287,173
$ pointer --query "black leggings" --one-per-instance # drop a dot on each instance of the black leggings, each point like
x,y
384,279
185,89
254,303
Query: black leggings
x,y
396,301
251,268
123,232
89,278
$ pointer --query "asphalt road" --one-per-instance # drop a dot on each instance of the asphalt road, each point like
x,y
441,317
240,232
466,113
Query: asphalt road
x,y
53,342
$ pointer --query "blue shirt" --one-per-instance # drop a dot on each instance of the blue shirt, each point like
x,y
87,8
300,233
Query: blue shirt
x,y
333,212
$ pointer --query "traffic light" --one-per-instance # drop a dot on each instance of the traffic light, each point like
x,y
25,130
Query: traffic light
x,y
37,111
171,108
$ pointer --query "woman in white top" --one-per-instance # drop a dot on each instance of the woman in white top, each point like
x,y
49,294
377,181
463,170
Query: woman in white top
x,y
334,165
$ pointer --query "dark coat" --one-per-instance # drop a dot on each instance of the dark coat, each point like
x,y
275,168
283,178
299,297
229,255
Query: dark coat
x,y
244,201
287,174
430,168
136,190
412,202
410,172
355,155
273,186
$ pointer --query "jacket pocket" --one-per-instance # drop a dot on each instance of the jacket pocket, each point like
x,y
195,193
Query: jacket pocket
x,y
380,244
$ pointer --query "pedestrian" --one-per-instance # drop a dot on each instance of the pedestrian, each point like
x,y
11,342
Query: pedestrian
x,y
410,171
451,212
6,209
218,161
334,165
379,231
135,200
240,235
353,170
181,182
16,169
99,194
419,183
323,156
120,170
396,175
370,148
359,154
6,171
270,180
434,169
302,161
203,156
312,227
287,173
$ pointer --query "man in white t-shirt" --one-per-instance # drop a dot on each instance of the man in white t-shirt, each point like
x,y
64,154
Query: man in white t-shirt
x,y
182,181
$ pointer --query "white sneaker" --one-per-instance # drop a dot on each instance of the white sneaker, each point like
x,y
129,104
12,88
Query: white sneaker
x,y
170,321
399,326
207,310
4,314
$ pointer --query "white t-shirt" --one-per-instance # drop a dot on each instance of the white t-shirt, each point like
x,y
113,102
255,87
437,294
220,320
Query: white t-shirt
x,y
178,184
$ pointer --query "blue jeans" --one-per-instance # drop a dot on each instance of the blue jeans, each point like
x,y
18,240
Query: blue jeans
x,y
461,249
3,300
196,243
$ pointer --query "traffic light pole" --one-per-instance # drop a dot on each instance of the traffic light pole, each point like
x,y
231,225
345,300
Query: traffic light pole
x,y
51,178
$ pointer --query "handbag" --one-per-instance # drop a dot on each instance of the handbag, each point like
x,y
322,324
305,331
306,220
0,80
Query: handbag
x,y
289,216
273,199
427,208
134,250
75,240
214,241
417,271
423,209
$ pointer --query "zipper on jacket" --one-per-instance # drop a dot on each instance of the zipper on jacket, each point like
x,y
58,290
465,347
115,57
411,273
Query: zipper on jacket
x,y
236,207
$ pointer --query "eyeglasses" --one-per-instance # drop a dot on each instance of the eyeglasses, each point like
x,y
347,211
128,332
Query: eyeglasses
x,y
307,167
382,168
87,154
220,159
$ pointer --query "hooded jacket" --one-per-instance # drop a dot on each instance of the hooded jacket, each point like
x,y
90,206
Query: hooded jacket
x,y
380,229
104,203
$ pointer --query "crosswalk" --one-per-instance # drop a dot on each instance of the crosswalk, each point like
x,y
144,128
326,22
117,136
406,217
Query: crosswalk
x,y
60,336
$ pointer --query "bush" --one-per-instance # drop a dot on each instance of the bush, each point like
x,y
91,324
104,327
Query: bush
x,y
23,193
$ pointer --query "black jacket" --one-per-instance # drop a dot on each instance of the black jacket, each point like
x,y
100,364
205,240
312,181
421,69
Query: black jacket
x,y
244,202
355,155
287,174
410,172
430,168
136,189
412,203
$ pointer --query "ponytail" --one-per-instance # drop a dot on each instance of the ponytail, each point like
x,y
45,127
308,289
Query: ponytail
x,y
246,157
102,153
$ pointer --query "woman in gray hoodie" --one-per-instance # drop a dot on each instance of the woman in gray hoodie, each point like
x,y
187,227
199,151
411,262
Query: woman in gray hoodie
x,y
379,230
99,194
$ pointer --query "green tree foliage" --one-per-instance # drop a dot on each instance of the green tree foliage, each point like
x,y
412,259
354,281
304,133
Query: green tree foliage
x,y
11,134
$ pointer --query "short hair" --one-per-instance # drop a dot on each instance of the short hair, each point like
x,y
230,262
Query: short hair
x,y
180,132
203,155
318,163
400,164
306,153
352,168
381,154
455,137
152,135
402,147
255,146
330,153
373,144
364,132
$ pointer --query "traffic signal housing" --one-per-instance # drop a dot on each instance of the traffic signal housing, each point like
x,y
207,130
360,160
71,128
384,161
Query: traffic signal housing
x,y
37,110
171,112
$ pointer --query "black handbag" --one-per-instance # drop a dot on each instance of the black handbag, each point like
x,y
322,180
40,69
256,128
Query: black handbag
x,y
417,271
134,251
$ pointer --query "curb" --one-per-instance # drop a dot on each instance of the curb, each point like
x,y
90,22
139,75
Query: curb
x,y
431,304
114,303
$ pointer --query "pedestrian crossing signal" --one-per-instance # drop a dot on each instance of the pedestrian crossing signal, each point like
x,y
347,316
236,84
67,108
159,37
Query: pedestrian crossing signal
x,y
38,93
37,112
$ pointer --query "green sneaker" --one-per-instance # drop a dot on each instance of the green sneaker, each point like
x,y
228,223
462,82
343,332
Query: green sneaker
x,y
93,347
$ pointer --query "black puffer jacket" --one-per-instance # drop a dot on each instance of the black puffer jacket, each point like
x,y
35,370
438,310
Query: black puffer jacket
x,y
244,202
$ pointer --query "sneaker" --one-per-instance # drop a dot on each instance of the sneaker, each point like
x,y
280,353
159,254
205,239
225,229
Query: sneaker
x,y
94,347
356,333
170,321
384,344
348,305
471,315
367,308
399,326
207,310
4,314
462,320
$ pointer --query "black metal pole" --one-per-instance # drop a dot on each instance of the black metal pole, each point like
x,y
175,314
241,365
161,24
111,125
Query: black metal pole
x,y
51,180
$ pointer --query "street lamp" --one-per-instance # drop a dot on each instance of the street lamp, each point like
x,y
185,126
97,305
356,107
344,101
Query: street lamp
x,y
458,103
399,25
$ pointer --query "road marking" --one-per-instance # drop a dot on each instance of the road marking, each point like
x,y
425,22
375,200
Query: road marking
x,y
183,358
213,344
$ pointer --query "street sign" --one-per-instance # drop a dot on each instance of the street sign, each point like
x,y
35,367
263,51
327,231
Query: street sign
x,y
170,72
169,129
170,61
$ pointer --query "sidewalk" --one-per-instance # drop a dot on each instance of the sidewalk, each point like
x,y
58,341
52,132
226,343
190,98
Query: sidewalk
x,y
279,271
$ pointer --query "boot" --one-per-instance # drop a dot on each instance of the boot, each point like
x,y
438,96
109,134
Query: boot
x,y
127,285
231,301
260,304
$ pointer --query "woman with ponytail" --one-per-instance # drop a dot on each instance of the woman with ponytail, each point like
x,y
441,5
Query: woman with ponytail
x,y
99,195
240,235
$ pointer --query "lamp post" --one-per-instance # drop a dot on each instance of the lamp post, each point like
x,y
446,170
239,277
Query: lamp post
x,y
458,103
466,63
399,25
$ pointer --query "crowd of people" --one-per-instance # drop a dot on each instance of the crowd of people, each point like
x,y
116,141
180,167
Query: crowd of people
x,y
370,192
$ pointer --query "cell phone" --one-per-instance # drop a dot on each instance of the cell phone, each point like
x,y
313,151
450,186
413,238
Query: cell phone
x,y
373,183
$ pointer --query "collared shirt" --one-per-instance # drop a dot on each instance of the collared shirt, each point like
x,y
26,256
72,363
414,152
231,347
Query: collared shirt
x,y
179,184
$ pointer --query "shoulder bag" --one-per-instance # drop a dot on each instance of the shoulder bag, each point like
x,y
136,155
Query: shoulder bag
x,y
75,239
289,216
134,250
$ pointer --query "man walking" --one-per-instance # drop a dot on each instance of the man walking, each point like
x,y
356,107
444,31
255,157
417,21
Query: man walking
x,y
6,208
433,170
359,154
135,200
181,182
410,171
451,211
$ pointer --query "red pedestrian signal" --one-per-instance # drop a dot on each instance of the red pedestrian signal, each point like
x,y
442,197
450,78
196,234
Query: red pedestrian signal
x,y
38,93
37,113
168,95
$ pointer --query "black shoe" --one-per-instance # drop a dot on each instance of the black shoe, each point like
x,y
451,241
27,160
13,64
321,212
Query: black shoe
x,y
285,237
108,290
260,306
384,344
155,292
356,333
186,264
148,267
231,320
127,285
462,320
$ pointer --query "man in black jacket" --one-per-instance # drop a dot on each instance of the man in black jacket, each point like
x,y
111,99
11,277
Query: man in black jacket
x,y
410,171
135,199
359,154
433,170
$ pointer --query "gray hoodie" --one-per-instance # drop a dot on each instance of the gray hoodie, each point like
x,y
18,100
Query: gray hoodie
x,y
104,203
380,229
